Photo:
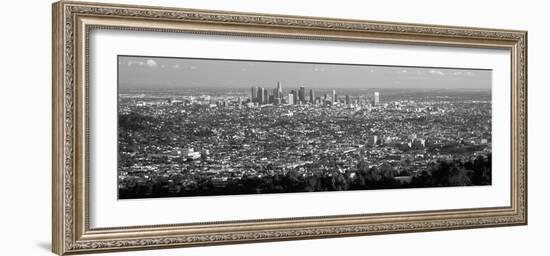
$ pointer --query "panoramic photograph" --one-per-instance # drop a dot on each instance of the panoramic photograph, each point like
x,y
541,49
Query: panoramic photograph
x,y
214,127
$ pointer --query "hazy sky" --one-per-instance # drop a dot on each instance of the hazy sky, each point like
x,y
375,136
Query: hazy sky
x,y
149,72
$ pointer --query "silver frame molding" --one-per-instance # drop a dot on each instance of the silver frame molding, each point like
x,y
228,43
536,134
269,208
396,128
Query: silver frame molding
x,y
72,22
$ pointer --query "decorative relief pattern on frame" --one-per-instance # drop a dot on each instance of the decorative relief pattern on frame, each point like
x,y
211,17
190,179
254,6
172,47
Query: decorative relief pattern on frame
x,y
72,10
296,233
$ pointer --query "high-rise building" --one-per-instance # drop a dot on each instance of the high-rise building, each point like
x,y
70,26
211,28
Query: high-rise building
x,y
294,97
259,95
333,96
311,96
266,97
291,99
372,140
376,100
348,102
275,96
302,94
279,90
254,94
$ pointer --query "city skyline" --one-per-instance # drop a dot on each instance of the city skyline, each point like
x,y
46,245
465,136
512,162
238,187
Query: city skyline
x,y
262,96
247,127
146,72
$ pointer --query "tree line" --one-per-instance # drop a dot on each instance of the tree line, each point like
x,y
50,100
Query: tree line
x,y
444,173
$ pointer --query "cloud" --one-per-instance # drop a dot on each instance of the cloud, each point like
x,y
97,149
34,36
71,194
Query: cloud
x,y
176,66
131,63
193,67
408,71
436,72
151,63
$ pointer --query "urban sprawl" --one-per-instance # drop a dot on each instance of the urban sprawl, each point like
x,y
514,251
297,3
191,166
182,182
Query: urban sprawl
x,y
225,142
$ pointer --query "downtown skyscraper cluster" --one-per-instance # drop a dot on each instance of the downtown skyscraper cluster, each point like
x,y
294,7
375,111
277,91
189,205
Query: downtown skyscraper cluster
x,y
262,96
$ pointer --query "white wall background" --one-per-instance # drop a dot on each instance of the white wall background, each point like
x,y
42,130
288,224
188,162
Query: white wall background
x,y
25,116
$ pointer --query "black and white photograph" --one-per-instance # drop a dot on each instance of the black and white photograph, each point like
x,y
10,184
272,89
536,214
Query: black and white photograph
x,y
203,127
275,127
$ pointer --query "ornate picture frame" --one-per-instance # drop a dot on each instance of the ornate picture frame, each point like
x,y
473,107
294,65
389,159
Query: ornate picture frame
x,y
72,24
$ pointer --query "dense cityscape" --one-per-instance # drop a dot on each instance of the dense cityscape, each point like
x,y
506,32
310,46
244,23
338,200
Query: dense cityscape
x,y
224,141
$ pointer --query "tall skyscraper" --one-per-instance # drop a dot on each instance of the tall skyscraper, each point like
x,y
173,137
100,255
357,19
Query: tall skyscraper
x,y
294,97
254,94
311,96
275,96
279,90
302,94
261,95
376,100
266,96
347,99
333,96
291,99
